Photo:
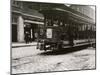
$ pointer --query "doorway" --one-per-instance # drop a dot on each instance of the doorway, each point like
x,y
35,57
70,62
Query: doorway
x,y
14,33
34,28
31,29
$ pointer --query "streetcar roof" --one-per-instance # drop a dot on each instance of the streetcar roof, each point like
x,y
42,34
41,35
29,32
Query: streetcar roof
x,y
70,13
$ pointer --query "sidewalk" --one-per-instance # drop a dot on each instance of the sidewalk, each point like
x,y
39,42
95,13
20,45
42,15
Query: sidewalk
x,y
17,44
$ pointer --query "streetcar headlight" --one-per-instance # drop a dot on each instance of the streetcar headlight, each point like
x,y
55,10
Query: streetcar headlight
x,y
47,45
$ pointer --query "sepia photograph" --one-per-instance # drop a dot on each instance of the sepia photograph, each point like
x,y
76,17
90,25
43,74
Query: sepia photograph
x,y
52,37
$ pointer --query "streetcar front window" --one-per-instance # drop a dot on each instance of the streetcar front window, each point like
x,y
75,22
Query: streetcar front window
x,y
42,33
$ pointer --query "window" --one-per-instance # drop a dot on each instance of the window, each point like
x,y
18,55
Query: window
x,y
16,3
14,19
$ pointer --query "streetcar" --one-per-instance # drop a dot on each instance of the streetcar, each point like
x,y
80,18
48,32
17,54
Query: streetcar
x,y
63,28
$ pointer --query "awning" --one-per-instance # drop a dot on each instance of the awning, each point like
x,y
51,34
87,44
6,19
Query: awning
x,y
34,22
71,15
76,16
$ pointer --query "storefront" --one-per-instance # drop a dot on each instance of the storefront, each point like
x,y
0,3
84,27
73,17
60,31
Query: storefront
x,y
21,26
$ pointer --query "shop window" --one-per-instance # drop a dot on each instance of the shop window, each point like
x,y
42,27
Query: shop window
x,y
14,19
16,3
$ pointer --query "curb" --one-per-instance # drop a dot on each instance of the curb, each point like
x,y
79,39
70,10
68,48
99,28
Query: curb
x,y
22,46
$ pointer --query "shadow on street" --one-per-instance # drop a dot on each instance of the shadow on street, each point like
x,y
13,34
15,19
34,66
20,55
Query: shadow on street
x,y
63,51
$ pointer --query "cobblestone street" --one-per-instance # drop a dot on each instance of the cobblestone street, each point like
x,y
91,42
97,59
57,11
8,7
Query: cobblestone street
x,y
67,29
31,60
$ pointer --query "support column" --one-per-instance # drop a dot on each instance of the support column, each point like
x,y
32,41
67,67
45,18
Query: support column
x,y
20,29
45,17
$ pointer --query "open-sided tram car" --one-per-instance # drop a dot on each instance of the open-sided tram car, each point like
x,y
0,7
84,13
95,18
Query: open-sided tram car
x,y
63,29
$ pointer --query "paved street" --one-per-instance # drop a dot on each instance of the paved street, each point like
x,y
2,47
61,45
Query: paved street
x,y
31,60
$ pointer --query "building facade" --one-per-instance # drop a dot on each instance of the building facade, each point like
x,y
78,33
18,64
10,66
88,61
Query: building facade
x,y
24,19
85,10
